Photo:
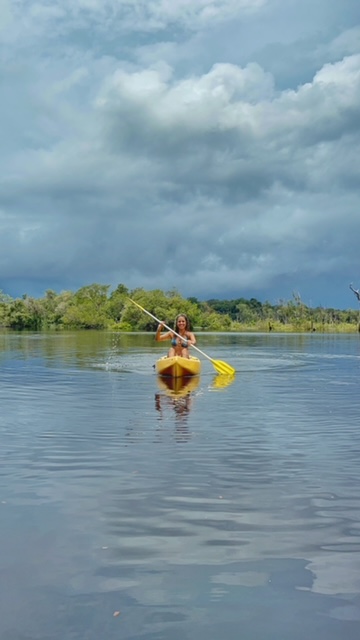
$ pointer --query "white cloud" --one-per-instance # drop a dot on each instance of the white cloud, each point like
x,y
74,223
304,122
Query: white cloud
x,y
219,99
347,43
234,124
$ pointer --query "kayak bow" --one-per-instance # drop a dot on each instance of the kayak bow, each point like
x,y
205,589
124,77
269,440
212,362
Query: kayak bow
x,y
178,367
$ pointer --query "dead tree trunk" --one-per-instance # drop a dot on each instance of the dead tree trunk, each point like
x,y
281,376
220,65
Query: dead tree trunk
x,y
357,293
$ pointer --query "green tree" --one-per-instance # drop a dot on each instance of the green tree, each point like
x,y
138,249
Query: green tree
x,y
5,301
164,306
215,322
25,313
246,314
117,302
87,309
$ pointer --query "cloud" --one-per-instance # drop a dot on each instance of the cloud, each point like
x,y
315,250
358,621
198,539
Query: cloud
x,y
59,19
5,14
231,130
219,177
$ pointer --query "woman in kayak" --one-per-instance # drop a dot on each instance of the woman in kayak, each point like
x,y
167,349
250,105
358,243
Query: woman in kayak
x,y
179,345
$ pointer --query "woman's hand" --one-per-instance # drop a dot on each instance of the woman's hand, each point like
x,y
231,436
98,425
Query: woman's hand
x,y
158,332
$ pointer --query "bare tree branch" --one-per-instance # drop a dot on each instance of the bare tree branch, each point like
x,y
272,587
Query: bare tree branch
x,y
356,291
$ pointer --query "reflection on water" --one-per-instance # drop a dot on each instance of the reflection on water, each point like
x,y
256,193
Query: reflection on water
x,y
177,387
180,406
221,381
177,396
194,514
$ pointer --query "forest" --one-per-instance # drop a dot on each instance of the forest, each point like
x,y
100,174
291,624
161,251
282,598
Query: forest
x,y
96,307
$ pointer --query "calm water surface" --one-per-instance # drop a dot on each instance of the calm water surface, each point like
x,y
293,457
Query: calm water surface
x,y
230,512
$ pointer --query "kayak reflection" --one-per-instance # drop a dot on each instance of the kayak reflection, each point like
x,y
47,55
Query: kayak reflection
x,y
178,387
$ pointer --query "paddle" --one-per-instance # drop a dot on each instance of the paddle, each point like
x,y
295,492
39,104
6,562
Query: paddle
x,y
220,366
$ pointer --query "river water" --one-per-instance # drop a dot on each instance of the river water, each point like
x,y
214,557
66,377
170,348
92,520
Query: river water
x,y
229,511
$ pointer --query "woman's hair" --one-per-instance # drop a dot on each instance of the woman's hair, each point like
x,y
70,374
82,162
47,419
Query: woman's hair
x,y
182,315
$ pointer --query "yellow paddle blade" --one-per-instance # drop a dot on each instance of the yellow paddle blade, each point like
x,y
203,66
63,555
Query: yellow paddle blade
x,y
223,367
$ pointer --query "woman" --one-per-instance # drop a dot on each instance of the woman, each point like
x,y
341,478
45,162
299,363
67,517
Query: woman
x,y
179,346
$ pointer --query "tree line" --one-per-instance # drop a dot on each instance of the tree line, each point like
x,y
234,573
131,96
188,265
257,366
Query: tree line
x,y
96,307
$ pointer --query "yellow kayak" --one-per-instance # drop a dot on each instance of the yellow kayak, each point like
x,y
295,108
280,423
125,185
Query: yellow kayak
x,y
178,367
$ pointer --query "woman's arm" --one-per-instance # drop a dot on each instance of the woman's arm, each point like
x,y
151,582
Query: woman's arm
x,y
190,338
161,336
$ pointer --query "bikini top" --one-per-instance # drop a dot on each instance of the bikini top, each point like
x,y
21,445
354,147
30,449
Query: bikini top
x,y
174,341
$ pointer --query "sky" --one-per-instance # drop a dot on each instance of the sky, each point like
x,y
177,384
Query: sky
x,y
207,146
